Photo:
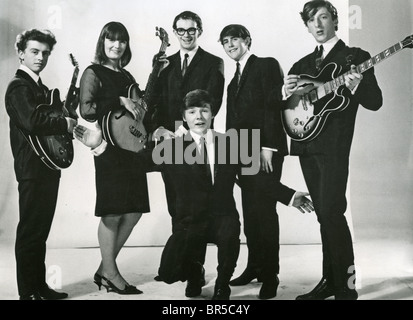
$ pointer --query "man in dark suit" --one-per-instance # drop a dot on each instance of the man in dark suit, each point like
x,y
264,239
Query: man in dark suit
x,y
325,159
190,68
38,184
203,177
253,103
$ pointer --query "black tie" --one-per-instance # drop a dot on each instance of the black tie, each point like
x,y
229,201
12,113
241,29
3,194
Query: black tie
x,y
185,64
238,73
204,147
319,57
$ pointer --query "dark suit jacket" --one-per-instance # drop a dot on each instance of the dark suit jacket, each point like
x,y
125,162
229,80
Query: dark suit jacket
x,y
254,104
23,95
205,71
197,199
337,134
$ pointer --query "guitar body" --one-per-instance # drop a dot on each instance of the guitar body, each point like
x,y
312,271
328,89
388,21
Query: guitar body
x,y
304,114
56,151
120,129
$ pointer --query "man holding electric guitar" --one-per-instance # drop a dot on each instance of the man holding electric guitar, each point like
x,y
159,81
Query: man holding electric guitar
x,y
324,149
38,181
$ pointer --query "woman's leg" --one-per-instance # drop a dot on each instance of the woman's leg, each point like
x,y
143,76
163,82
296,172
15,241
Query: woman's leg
x,y
113,233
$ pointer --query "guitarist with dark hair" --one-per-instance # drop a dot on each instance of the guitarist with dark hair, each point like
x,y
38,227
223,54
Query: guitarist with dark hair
x,y
325,158
38,184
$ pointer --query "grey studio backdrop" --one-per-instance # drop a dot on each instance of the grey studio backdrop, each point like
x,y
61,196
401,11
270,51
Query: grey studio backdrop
x,y
380,186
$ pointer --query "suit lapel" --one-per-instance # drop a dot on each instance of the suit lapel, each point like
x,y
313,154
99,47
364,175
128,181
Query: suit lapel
x,y
195,60
339,46
245,72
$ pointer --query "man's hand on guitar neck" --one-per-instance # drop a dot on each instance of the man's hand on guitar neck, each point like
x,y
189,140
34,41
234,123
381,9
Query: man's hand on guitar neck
x,y
353,79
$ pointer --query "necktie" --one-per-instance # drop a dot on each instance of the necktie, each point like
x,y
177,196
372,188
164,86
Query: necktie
x,y
319,57
185,64
204,151
40,84
238,73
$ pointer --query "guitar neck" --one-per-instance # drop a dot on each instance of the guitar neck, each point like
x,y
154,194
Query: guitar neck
x,y
150,86
334,84
71,94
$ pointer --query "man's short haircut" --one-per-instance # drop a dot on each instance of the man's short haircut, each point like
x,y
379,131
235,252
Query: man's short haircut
x,y
237,31
311,8
43,36
188,15
196,98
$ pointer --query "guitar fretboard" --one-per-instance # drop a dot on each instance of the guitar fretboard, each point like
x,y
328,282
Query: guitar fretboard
x,y
334,84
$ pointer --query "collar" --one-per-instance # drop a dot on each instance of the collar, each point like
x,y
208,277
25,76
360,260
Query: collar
x,y
244,59
191,54
209,137
32,75
328,45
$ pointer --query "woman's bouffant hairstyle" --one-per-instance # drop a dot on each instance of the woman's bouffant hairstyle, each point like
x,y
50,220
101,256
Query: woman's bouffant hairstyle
x,y
113,31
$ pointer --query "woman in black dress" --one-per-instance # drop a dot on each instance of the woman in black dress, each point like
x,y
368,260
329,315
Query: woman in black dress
x,y
121,189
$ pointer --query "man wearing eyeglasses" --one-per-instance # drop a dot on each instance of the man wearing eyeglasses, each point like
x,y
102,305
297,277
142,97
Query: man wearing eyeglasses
x,y
189,69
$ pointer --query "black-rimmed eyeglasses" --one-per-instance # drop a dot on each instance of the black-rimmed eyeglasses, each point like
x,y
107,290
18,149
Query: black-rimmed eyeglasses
x,y
181,31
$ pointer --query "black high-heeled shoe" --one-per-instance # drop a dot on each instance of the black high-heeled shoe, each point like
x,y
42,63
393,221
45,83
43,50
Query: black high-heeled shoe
x,y
110,287
97,278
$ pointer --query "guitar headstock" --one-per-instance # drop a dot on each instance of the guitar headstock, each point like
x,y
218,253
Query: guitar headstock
x,y
163,35
73,61
408,42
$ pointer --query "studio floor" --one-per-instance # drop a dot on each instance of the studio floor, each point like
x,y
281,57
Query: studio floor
x,y
384,269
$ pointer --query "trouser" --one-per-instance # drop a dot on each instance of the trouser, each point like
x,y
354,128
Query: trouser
x,y
37,203
326,178
261,225
224,231
171,202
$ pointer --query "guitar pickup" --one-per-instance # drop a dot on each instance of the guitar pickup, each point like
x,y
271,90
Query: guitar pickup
x,y
313,96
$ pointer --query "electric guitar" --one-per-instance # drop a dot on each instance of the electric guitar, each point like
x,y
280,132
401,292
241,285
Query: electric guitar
x,y
307,110
56,151
119,127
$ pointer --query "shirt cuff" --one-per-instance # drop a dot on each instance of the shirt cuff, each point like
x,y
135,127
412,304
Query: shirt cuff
x,y
272,149
99,149
284,93
290,204
183,129
354,90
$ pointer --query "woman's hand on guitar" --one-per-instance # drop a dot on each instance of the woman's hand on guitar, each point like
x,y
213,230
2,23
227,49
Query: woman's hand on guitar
x,y
136,111
291,84
90,138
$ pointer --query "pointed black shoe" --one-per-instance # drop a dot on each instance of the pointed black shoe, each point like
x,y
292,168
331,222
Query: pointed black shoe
x,y
322,291
195,284
110,287
269,289
221,292
47,293
346,294
246,277
34,296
